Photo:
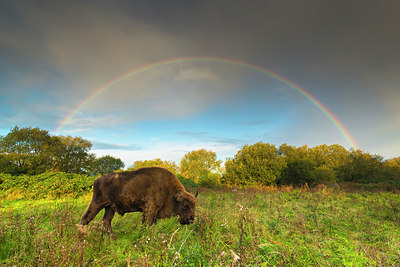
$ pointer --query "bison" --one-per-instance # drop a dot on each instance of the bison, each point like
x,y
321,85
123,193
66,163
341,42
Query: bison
x,y
154,191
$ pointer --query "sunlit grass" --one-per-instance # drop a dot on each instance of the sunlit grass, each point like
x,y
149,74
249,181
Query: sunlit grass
x,y
273,227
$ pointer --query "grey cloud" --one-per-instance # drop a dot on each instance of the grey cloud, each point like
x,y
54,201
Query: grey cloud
x,y
337,50
196,74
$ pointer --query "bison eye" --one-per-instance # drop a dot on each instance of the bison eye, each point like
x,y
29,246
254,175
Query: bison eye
x,y
185,207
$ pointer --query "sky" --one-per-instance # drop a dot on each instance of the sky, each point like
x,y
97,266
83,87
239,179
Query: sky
x,y
157,79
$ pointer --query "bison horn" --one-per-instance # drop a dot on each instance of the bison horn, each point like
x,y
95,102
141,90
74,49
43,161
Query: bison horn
x,y
177,194
197,193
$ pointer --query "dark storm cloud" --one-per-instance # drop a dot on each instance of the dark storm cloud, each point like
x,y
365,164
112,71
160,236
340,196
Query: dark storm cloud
x,y
364,29
299,39
345,53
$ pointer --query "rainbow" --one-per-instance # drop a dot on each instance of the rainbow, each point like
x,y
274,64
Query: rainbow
x,y
171,61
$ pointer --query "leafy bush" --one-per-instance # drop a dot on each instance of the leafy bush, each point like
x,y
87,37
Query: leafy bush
x,y
324,175
210,179
169,165
256,164
197,162
186,182
45,185
106,164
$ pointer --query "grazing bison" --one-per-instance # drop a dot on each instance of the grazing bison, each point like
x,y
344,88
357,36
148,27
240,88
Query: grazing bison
x,y
154,191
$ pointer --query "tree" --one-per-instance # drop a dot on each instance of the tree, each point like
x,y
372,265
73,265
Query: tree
x,y
332,156
72,155
260,163
106,164
314,165
392,167
299,165
169,165
196,162
362,167
27,151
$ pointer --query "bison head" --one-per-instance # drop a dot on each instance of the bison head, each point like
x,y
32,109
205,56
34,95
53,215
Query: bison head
x,y
185,207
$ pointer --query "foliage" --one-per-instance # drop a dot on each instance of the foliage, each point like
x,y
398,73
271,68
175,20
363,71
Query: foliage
x,y
196,162
72,155
259,163
33,151
362,167
106,164
274,228
26,150
45,185
187,183
312,165
324,175
169,165
210,179
393,168
308,165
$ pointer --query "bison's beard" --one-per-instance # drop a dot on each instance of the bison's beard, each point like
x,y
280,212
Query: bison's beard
x,y
186,220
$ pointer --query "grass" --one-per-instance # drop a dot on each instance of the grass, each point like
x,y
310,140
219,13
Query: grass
x,y
272,228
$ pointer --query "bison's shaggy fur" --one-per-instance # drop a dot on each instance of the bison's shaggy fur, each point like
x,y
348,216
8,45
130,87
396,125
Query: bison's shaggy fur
x,y
154,191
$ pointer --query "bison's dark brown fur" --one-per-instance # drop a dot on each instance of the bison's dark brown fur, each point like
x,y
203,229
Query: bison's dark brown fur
x,y
154,191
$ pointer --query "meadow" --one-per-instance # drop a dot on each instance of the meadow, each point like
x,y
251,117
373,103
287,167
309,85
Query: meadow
x,y
252,227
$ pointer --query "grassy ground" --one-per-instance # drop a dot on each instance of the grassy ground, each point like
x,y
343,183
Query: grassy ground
x,y
262,228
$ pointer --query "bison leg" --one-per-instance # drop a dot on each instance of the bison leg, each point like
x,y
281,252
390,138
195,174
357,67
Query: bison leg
x,y
91,212
149,215
108,216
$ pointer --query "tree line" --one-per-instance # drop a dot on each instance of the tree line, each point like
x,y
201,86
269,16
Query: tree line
x,y
266,164
34,151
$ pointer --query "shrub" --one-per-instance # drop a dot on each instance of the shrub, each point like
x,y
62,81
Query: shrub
x,y
256,164
210,179
197,162
169,165
45,185
186,182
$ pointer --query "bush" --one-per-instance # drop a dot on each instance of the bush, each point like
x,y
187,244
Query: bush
x,y
169,165
210,179
256,164
45,185
186,182
324,175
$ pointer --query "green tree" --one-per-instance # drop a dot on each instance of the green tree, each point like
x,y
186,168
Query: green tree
x,y
392,167
72,155
169,165
260,163
197,162
320,164
362,167
324,175
27,151
106,164
300,165
332,156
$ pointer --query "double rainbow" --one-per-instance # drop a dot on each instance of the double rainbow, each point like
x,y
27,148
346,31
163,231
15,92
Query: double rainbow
x,y
246,65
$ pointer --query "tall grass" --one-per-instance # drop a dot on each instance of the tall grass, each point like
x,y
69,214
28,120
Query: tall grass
x,y
239,227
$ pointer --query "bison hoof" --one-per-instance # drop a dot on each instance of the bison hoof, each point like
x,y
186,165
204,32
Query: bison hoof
x,y
82,230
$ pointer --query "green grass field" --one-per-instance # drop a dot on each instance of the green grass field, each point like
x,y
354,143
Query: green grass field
x,y
297,228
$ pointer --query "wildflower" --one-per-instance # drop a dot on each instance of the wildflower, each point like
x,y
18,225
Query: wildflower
x,y
235,257
177,255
